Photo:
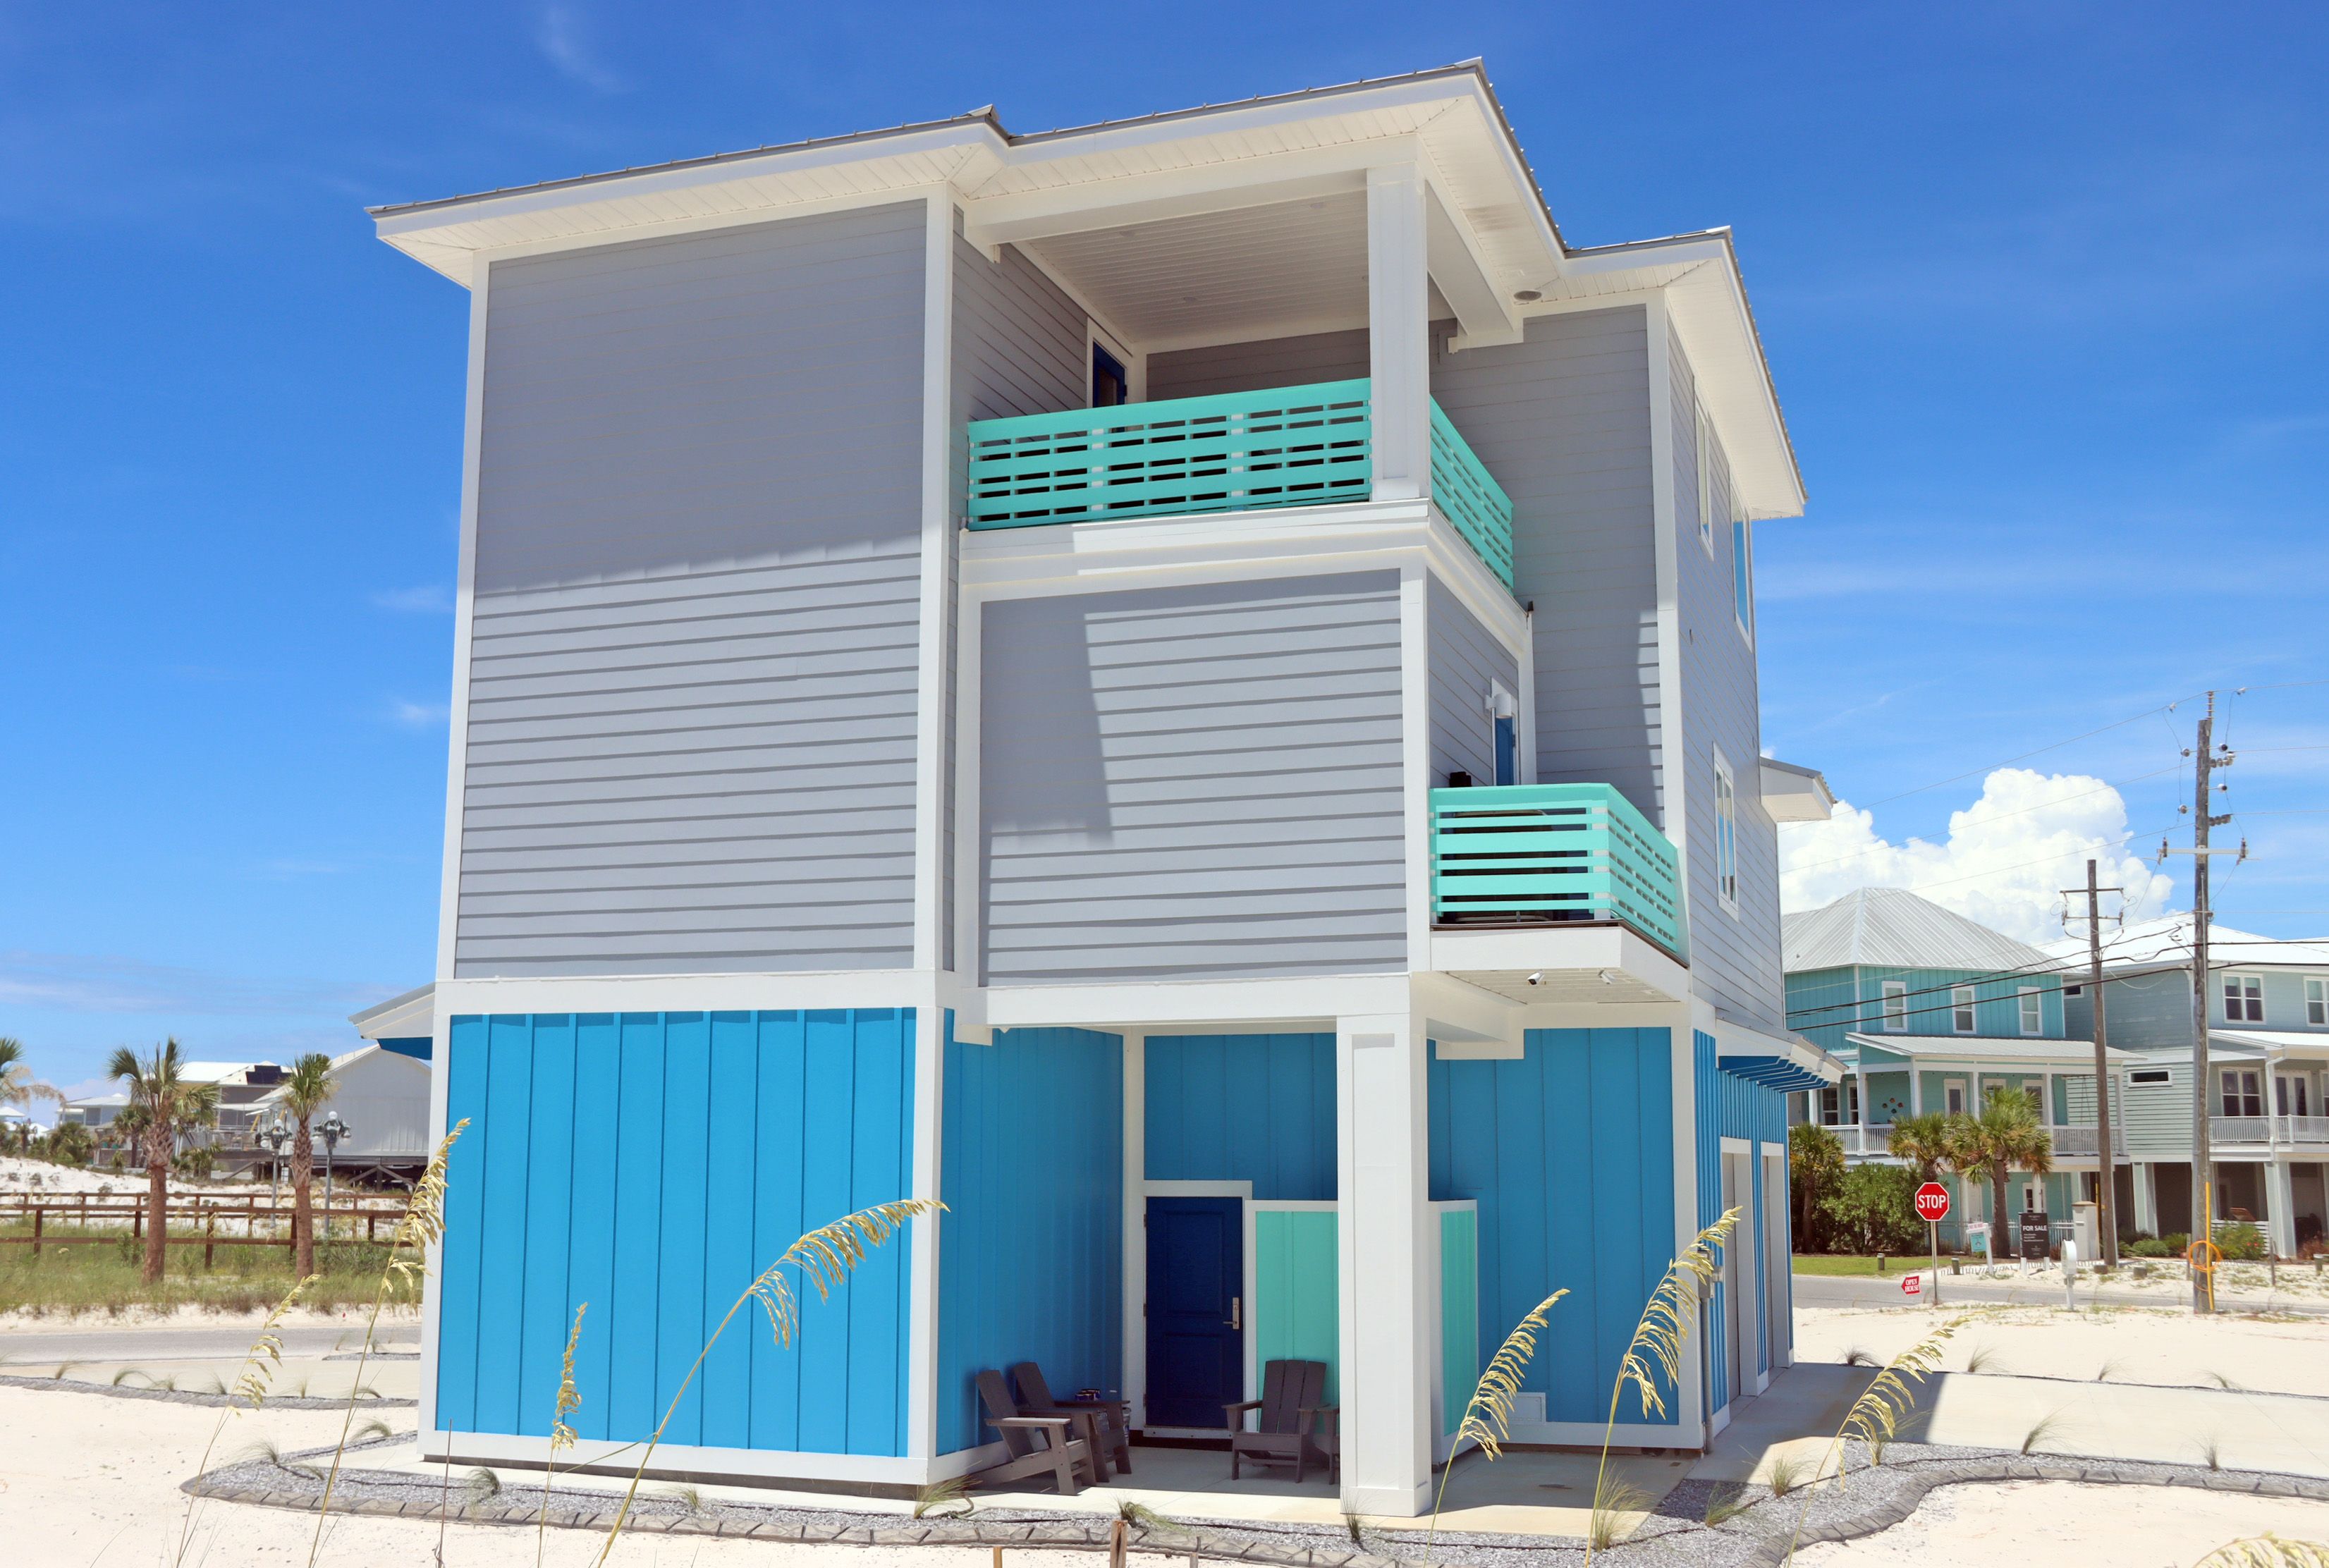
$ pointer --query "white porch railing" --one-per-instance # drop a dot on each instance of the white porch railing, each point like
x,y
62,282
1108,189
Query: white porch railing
x,y
2306,1129
2079,1142
2239,1129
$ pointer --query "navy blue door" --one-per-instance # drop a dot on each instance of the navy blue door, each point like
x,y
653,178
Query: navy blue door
x,y
1196,1290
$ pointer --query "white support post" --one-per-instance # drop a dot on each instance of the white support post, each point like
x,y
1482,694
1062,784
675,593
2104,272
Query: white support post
x,y
2279,1208
1381,1152
2146,1200
1399,331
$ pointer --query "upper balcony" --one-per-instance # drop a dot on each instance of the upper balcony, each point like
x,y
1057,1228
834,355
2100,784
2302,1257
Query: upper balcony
x,y
1300,446
1551,853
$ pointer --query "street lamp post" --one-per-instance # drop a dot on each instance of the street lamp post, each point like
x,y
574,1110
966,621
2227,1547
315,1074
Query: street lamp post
x,y
274,1134
334,1129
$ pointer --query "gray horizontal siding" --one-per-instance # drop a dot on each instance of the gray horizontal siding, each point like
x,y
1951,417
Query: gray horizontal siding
x,y
1020,347
695,650
1276,362
1193,782
1735,955
1466,658
1562,420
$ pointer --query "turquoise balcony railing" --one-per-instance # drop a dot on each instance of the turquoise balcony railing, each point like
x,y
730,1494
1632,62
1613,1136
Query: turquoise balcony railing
x,y
1303,446
1536,853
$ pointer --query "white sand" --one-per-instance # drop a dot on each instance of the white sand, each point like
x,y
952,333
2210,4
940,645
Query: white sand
x,y
93,1482
2064,1524
2132,1345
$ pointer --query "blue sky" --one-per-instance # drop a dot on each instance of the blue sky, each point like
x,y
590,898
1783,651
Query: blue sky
x,y
2042,286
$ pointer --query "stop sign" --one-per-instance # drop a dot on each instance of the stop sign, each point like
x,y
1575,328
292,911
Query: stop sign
x,y
1932,1201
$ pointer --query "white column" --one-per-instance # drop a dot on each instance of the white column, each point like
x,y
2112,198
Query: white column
x,y
1399,331
2279,1209
1382,1151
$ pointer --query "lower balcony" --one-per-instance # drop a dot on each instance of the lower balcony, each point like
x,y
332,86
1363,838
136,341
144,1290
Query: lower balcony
x,y
2311,1132
1534,855
1300,446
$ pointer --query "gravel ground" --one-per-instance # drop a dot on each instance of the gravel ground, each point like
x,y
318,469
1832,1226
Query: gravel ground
x,y
1756,1535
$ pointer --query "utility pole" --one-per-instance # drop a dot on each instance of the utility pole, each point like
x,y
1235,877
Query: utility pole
x,y
2205,762
2106,1162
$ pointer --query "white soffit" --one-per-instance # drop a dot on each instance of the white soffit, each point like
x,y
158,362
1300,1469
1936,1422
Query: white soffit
x,y
1706,302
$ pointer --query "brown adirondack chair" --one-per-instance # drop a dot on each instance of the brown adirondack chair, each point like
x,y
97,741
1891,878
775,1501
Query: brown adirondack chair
x,y
1293,1398
1037,1444
1104,1425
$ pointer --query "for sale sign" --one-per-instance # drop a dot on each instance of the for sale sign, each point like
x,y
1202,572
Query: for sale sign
x,y
1932,1202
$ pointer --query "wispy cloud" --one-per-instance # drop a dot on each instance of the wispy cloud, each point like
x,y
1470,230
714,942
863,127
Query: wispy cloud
x,y
415,716
562,34
429,598
112,982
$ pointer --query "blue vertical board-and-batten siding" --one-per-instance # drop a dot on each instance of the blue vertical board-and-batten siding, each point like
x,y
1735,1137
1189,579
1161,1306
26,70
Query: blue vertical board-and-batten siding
x,y
652,1164
1257,1107
1569,1151
1031,1247
1706,1121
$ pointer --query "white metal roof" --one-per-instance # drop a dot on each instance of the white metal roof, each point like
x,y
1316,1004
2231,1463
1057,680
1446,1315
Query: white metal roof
x,y
2167,940
1893,928
1262,192
1990,1048
407,1015
219,1072
2273,1042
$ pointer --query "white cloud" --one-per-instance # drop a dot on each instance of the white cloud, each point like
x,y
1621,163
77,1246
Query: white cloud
x,y
418,715
561,36
2006,860
429,598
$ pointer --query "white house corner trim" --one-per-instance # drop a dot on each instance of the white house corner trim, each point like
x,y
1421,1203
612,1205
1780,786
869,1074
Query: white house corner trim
x,y
465,597
937,542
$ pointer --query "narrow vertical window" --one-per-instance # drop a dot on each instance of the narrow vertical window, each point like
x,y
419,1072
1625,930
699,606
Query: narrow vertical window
x,y
1110,387
1896,1004
1705,486
1742,577
2034,1016
2316,1001
1725,836
1961,1009
1504,734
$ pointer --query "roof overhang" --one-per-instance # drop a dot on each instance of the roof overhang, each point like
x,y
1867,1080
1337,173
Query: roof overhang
x,y
2269,1042
408,1016
1795,794
1492,236
1786,1062
1990,1051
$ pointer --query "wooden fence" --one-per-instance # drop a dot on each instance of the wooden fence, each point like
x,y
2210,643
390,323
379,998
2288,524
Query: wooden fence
x,y
198,1216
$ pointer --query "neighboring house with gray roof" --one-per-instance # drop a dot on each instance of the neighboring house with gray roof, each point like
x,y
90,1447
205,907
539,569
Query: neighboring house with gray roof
x,y
1932,1012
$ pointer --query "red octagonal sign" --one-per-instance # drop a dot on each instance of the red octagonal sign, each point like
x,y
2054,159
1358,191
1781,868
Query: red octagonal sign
x,y
1932,1201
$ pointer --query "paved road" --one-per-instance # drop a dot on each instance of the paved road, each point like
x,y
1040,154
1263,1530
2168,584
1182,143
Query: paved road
x,y
188,1343
1884,1290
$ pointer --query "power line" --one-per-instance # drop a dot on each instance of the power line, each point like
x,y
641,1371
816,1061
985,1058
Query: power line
x,y
1857,1026
2044,967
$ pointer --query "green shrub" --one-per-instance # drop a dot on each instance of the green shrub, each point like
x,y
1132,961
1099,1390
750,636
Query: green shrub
x,y
1871,1210
2148,1247
2242,1242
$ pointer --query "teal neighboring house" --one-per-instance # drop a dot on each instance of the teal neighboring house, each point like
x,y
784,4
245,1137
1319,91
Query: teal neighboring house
x,y
1930,1011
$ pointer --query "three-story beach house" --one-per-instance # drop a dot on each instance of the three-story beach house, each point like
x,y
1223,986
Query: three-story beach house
x,y
1186,686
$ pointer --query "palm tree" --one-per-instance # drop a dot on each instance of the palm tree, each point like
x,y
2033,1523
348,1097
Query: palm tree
x,y
2007,1134
17,1084
1927,1143
163,1103
306,1089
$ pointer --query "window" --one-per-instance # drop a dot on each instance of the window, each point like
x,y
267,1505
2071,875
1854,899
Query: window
x,y
1504,734
2243,1092
2316,1000
1705,486
2034,1091
1742,577
1726,836
2150,1077
1952,1095
1840,1106
2034,1016
1961,1009
1896,1004
1110,387
2243,1000
2074,990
